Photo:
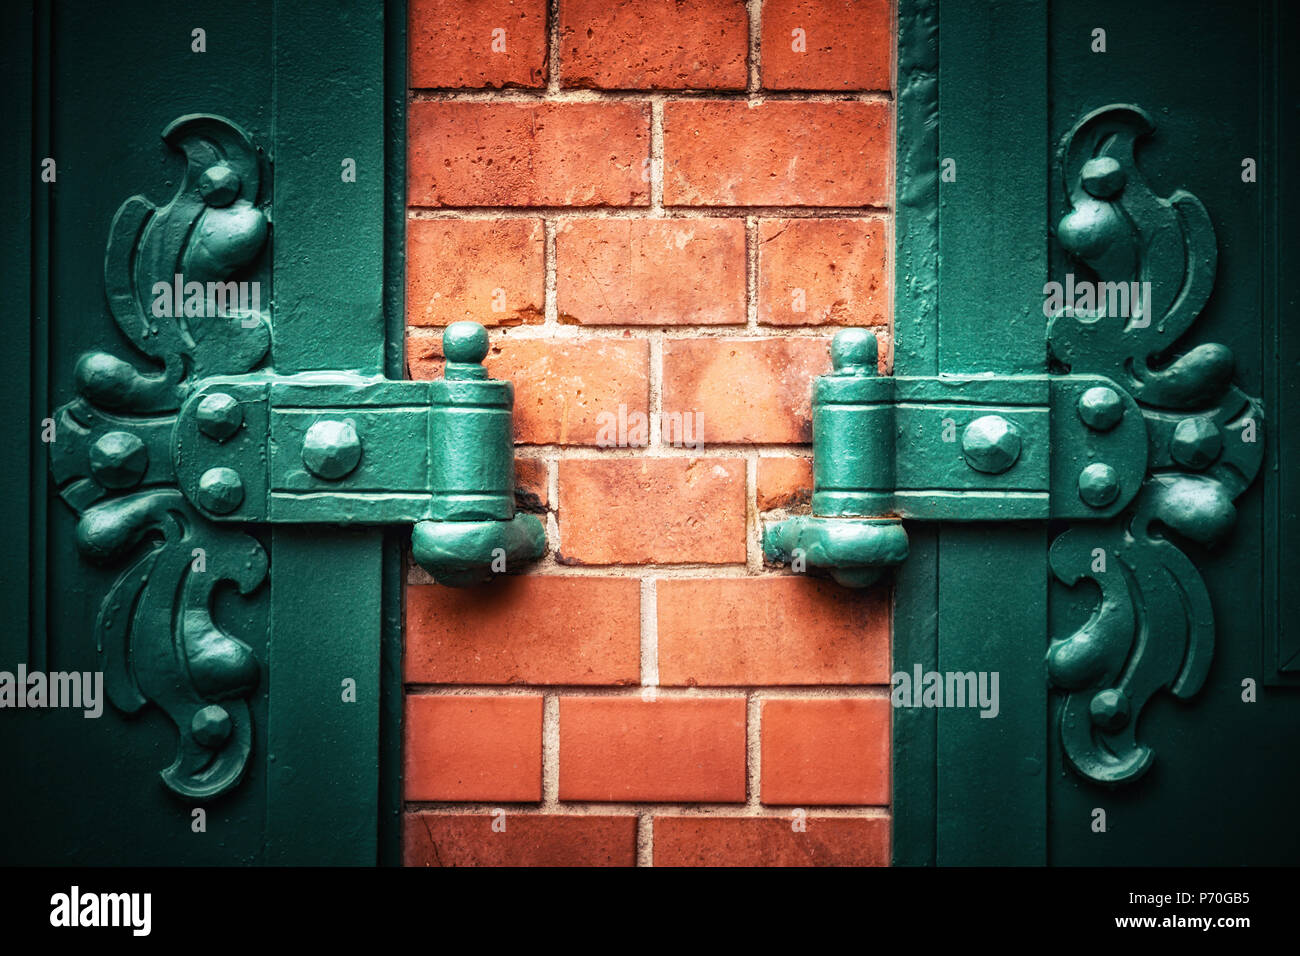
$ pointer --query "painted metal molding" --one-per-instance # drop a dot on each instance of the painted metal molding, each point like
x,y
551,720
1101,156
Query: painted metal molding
x,y
1154,627
168,469
1132,442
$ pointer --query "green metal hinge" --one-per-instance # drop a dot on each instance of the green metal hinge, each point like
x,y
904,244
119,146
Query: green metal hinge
x,y
953,448
1141,446
170,469
339,448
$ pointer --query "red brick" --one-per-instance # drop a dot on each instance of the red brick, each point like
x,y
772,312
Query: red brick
x,y
566,389
473,748
784,483
822,272
651,272
652,511
532,484
468,839
654,44
745,390
848,44
527,154
771,841
529,629
488,271
631,749
452,43
770,631
777,153
825,752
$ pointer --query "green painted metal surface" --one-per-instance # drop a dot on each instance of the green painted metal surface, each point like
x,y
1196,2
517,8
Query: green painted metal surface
x,y
229,454
1154,589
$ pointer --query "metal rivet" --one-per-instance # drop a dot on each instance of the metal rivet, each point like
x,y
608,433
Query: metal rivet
x,y
221,490
219,185
1109,710
1098,485
1196,443
1102,177
219,416
211,726
1101,408
990,444
331,449
119,460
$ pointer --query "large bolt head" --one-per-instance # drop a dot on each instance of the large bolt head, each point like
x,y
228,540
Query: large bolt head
x,y
1098,485
1100,408
219,416
1196,443
211,726
221,490
331,449
1109,710
119,460
219,185
990,444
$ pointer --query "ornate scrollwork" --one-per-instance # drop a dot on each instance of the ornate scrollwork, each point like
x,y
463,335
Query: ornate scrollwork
x,y
1154,627
155,633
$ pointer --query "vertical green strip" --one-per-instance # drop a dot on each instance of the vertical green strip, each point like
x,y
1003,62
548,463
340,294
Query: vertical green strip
x,y
390,721
991,772
326,584
22,171
916,271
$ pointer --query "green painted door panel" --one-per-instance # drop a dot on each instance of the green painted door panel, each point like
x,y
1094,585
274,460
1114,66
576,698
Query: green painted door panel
x,y
1027,154
259,728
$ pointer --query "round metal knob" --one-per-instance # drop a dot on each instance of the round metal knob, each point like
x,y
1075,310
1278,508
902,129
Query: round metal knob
x,y
331,449
990,444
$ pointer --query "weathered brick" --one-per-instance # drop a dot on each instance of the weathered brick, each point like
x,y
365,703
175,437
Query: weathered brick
x,y
784,483
528,839
770,631
627,748
654,44
526,629
566,389
491,271
825,752
771,841
745,390
776,153
652,511
457,44
847,44
527,154
473,748
822,272
651,272
532,485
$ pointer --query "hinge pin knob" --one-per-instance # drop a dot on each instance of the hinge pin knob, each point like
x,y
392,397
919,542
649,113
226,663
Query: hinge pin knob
x,y
990,444
1098,485
331,449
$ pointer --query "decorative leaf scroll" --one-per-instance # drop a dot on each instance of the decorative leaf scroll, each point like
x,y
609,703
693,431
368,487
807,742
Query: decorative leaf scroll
x,y
155,633
1154,627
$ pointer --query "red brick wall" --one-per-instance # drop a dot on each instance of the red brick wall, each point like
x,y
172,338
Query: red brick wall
x,y
658,207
